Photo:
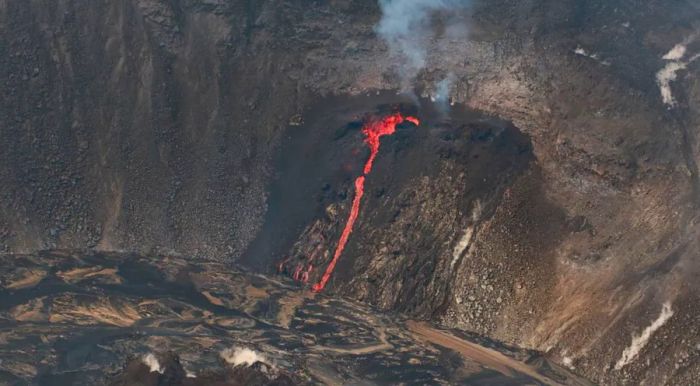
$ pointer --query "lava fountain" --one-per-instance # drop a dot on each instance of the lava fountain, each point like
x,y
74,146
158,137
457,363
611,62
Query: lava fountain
x,y
373,130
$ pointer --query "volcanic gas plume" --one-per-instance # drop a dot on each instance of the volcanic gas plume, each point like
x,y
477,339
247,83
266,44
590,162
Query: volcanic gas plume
x,y
373,131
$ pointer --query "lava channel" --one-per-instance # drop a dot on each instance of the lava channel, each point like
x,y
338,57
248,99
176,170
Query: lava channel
x,y
373,131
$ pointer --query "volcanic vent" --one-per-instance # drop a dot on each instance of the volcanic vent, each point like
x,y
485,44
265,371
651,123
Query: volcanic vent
x,y
373,130
323,191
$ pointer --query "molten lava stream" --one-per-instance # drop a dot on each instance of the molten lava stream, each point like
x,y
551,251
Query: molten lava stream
x,y
373,131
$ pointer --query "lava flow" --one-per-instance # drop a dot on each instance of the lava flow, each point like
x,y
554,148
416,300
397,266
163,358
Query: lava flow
x,y
373,131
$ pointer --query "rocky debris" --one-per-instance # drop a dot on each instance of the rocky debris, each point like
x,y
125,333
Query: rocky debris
x,y
129,178
148,126
429,175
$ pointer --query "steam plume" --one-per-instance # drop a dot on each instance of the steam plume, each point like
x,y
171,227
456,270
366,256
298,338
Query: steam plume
x,y
638,342
442,93
151,361
409,28
242,356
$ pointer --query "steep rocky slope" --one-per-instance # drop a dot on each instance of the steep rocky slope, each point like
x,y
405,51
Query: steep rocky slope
x,y
155,126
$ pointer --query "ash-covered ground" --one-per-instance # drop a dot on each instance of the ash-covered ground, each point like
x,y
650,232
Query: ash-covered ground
x,y
548,200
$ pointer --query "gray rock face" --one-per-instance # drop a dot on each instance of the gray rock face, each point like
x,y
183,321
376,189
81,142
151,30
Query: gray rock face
x,y
156,126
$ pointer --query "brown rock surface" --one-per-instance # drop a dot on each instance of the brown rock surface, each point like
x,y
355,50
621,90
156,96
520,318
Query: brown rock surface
x,y
146,125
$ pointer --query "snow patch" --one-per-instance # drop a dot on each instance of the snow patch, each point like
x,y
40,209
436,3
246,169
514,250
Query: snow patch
x,y
151,361
638,342
242,356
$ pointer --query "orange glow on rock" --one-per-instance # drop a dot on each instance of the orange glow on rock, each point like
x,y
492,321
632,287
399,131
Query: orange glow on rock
x,y
373,131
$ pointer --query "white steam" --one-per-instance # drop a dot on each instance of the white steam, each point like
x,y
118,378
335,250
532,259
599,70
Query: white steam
x,y
466,238
151,361
409,28
442,89
462,244
441,95
664,78
676,53
242,356
582,52
638,342
669,73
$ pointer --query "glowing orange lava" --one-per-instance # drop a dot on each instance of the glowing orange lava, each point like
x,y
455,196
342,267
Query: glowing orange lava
x,y
373,131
